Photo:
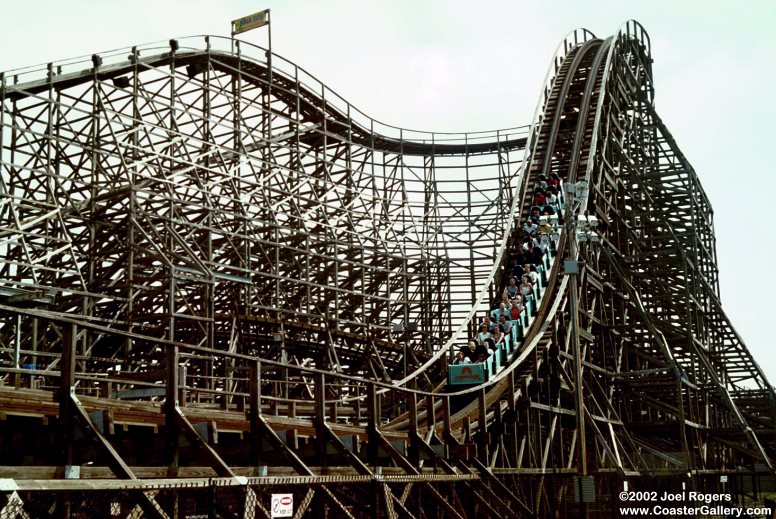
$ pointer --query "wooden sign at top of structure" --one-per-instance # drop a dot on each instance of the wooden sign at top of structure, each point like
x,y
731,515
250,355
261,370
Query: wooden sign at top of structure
x,y
252,21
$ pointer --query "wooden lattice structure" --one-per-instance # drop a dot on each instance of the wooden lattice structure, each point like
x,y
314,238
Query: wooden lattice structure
x,y
213,266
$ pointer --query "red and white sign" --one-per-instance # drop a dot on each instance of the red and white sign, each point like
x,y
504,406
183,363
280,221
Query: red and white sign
x,y
282,505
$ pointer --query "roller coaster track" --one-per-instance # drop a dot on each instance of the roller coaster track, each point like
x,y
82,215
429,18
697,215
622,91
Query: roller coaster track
x,y
218,274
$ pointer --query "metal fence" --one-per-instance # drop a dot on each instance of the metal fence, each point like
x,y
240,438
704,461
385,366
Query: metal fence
x,y
389,496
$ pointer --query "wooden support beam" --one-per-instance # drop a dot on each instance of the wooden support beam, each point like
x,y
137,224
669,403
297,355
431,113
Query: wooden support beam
x,y
254,411
296,462
171,409
444,504
412,437
486,473
320,419
185,427
492,512
66,389
402,507
342,510
482,426
397,457
425,447
373,423
430,413
388,501
447,433
331,437
115,462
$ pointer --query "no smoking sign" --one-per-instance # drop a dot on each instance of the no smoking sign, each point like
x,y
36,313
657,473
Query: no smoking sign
x,y
282,505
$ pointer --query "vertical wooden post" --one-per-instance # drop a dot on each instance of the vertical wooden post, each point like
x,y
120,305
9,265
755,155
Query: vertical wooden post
x,y
483,427
320,417
292,437
66,388
412,417
373,417
333,411
357,411
446,432
254,412
34,349
17,345
513,446
182,372
430,413
378,511
171,409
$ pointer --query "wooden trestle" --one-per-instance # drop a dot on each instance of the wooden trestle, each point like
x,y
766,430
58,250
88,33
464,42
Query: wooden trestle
x,y
220,281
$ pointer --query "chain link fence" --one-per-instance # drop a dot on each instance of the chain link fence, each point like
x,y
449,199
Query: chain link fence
x,y
550,495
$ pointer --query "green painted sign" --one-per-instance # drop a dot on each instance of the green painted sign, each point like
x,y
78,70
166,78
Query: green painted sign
x,y
252,21
468,373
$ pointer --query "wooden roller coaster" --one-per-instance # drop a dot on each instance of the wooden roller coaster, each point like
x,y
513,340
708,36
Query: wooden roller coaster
x,y
220,282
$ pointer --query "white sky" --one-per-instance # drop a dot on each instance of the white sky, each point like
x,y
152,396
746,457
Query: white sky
x,y
454,66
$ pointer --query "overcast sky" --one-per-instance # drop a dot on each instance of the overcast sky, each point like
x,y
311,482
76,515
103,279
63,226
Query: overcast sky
x,y
463,66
